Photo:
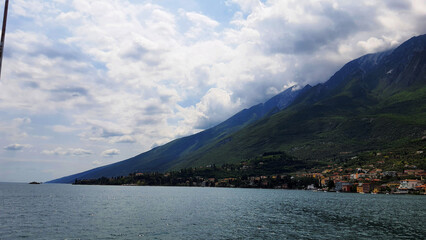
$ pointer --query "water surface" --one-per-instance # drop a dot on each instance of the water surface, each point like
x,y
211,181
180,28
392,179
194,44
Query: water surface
x,y
56,211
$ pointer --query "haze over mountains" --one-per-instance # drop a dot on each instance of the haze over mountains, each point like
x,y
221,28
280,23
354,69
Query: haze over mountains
x,y
374,102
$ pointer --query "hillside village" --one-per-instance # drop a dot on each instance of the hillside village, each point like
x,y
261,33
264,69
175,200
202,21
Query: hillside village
x,y
373,180
379,174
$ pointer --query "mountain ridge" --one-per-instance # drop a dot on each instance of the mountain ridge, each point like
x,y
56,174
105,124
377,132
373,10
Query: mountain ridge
x,y
359,111
375,101
163,157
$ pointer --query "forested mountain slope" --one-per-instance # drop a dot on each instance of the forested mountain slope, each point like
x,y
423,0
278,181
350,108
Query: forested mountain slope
x,y
375,102
171,154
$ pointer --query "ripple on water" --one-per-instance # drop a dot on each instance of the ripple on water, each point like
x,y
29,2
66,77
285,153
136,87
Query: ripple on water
x,y
52,211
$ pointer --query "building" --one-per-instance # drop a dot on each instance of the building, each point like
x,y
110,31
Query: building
x,y
389,173
347,188
421,188
413,172
363,188
356,176
339,186
409,184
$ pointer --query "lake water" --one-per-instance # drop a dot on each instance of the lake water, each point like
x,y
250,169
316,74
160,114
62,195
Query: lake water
x,y
53,211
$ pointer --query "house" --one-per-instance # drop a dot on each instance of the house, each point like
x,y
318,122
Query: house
x,y
339,185
347,188
393,185
413,172
409,184
421,188
355,176
363,188
389,173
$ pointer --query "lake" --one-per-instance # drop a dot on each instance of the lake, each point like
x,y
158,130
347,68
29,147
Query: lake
x,y
55,211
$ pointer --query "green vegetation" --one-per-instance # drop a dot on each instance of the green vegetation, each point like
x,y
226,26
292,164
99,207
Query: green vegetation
x,y
356,116
383,171
374,102
271,170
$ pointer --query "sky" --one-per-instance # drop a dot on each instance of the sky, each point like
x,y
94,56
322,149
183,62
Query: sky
x,y
87,83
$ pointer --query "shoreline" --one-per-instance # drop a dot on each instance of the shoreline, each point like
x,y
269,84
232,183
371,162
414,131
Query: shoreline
x,y
292,189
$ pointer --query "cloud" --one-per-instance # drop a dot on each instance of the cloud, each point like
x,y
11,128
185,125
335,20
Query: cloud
x,y
63,129
201,20
201,25
124,139
15,129
66,93
67,152
104,129
211,109
16,147
137,66
103,73
21,121
110,152
247,5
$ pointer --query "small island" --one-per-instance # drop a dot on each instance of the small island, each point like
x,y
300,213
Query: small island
x,y
35,183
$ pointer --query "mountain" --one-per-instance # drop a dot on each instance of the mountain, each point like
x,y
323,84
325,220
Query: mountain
x,y
171,154
375,102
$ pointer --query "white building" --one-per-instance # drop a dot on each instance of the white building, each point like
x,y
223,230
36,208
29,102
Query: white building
x,y
409,184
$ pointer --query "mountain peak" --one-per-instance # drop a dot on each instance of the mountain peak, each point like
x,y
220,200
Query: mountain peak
x,y
370,103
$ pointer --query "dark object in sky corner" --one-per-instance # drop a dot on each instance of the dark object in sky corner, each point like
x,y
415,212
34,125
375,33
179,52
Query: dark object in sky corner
x,y
3,32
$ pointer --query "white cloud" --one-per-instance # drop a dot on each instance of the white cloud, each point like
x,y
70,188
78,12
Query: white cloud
x,y
201,20
22,121
16,147
15,129
213,106
202,26
63,129
110,152
124,139
247,5
67,152
105,73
